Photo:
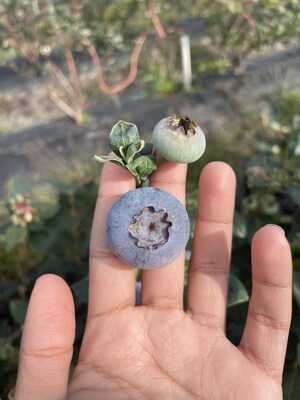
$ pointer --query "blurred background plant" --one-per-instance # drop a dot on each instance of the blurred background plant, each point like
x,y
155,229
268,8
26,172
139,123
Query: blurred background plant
x,y
56,39
54,239
238,28
82,54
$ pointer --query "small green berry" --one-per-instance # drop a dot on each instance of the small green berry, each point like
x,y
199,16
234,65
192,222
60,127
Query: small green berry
x,y
179,139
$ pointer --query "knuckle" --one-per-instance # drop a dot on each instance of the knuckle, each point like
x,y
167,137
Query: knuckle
x,y
268,321
209,267
46,352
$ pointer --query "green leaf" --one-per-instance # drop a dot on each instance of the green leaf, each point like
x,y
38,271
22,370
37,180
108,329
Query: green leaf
x,y
18,308
240,226
40,241
296,286
123,134
81,289
237,292
133,149
114,159
18,185
48,210
14,235
142,167
122,152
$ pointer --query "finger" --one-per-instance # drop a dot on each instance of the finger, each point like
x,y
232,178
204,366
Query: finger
x,y
164,287
112,282
269,315
210,261
47,342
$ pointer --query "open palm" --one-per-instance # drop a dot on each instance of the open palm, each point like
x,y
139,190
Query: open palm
x,y
157,350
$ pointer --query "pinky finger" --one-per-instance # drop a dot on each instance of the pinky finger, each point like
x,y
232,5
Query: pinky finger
x,y
46,347
269,315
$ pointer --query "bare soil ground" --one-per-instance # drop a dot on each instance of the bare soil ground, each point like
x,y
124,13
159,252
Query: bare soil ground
x,y
38,130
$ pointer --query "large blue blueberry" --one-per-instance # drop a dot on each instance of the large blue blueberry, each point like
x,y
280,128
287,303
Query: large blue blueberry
x,y
147,228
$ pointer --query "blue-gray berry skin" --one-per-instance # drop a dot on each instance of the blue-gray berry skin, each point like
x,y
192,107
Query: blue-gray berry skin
x,y
147,228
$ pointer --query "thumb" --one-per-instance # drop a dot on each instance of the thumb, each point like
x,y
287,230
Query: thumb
x,y
47,342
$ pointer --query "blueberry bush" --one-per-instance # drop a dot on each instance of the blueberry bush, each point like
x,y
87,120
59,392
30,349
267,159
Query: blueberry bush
x,y
60,41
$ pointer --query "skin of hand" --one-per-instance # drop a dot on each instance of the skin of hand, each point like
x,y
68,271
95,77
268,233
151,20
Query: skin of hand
x,y
157,350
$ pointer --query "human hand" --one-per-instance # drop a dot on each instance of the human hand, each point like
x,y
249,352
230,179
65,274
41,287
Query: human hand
x,y
156,350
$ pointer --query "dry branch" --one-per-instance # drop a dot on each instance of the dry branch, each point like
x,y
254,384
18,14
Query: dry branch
x,y
159,29
118,87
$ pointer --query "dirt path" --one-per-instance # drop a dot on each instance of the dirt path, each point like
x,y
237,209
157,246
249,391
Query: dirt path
x,y
216,107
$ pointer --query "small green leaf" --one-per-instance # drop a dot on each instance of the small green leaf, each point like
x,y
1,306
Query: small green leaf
x,y
18,308
18,185
123,134
237,292
48,210
81,289
40,241
142,167
114,159
240,226
14,235
133,149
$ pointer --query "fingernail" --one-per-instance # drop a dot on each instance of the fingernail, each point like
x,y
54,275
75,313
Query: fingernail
x,y
278,228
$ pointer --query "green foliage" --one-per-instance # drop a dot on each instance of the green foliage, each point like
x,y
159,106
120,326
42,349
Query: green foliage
x,y
237,292
288,108
57,241
217,66
14,235
275,178
35,30
8,366
158,81
18,184
131,152
238,27
81,289
123,134
18,308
